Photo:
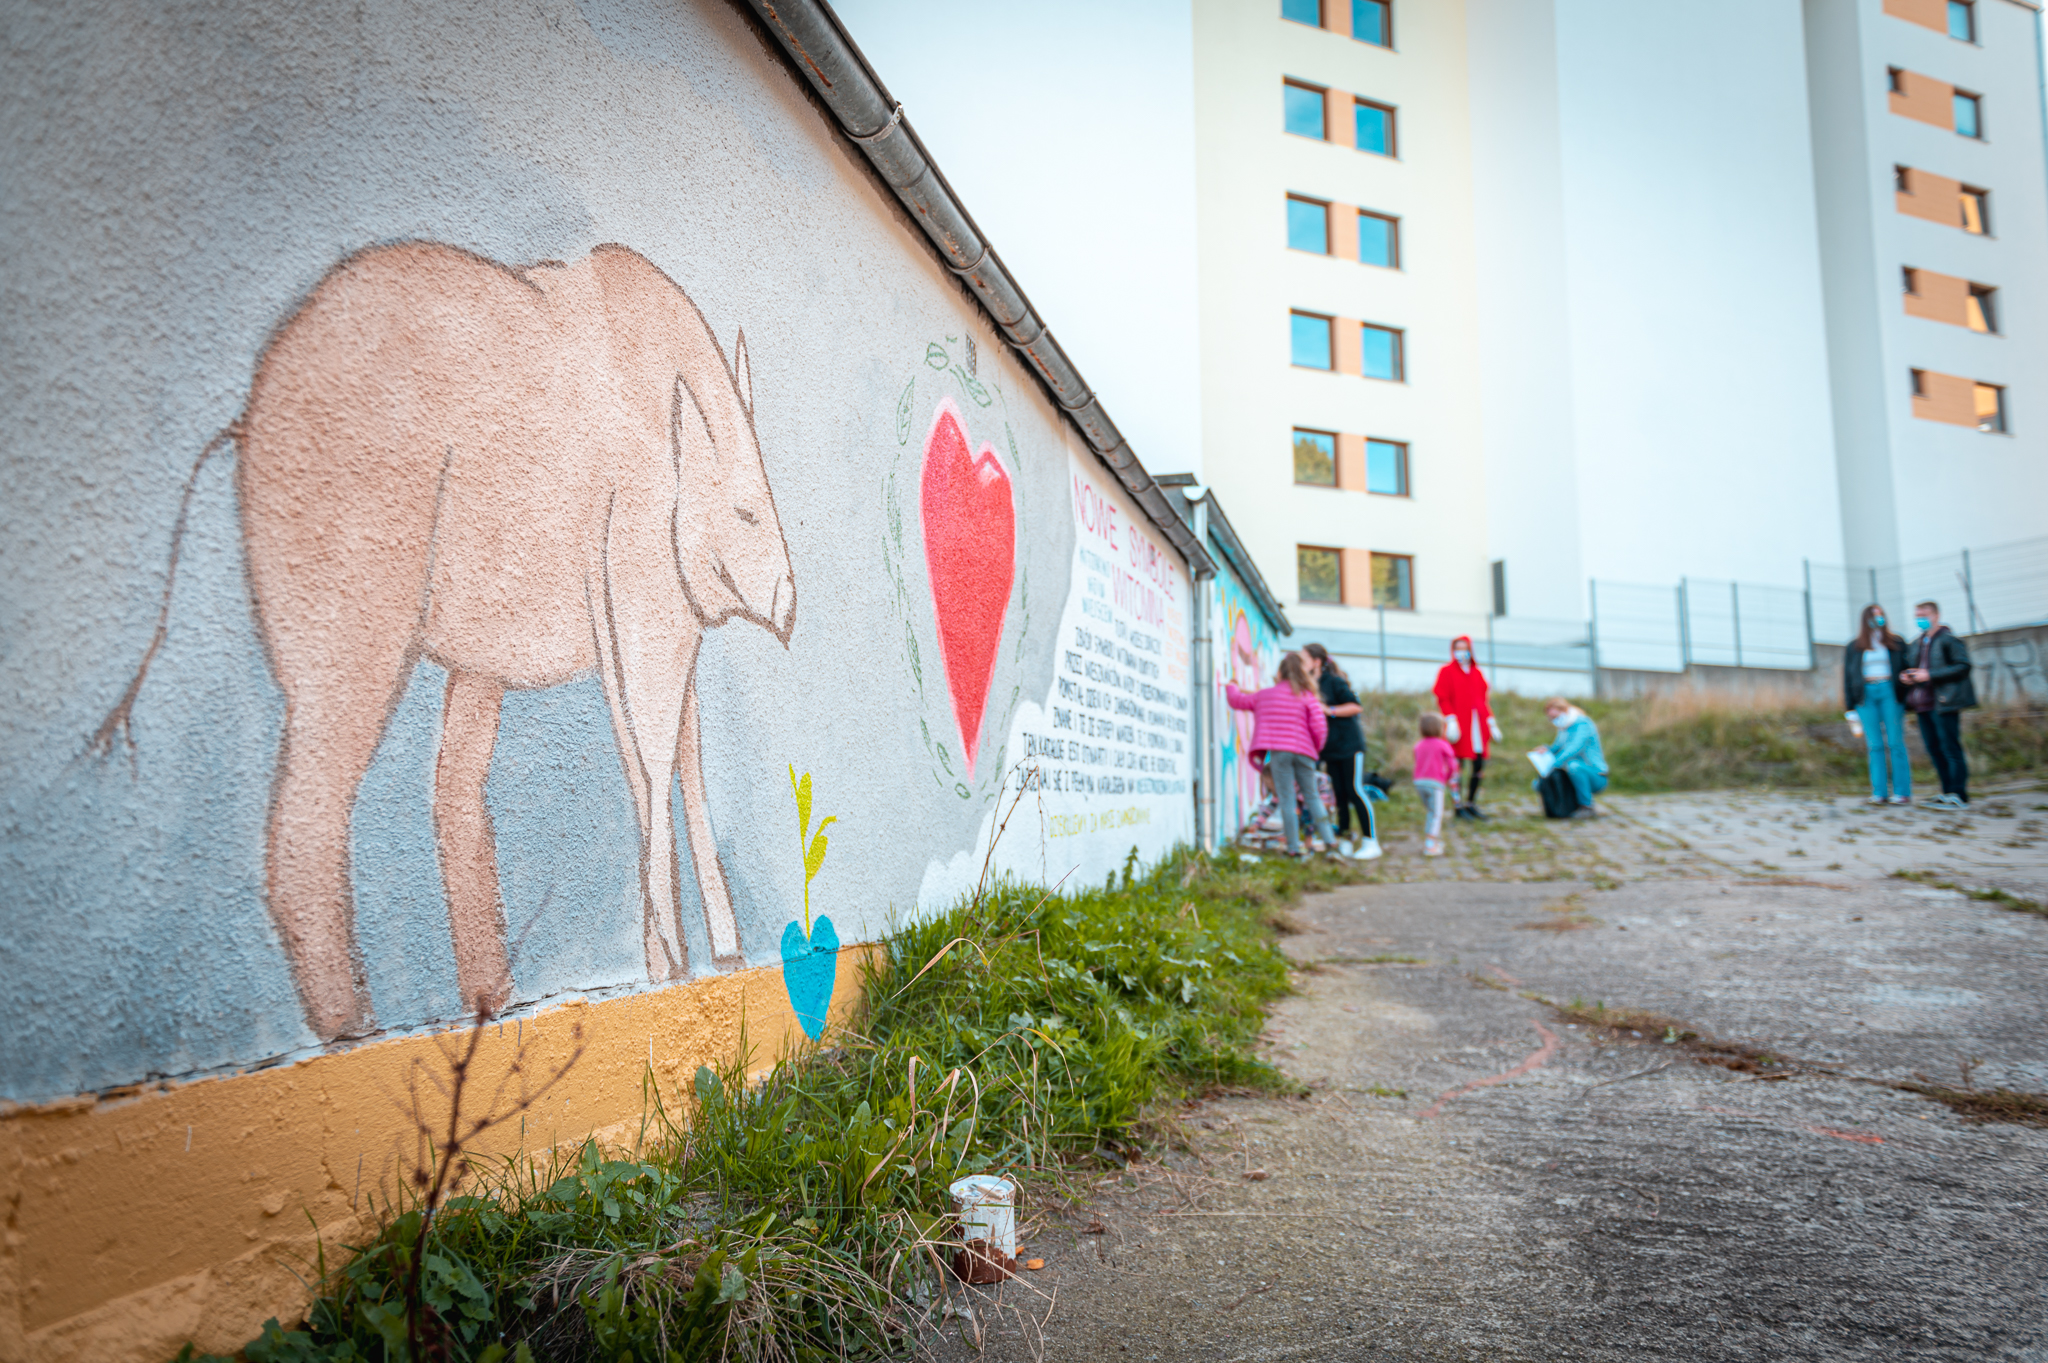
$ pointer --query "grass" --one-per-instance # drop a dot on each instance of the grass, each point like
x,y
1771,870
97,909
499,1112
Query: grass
x,y
1989,894
1710,740
800,1218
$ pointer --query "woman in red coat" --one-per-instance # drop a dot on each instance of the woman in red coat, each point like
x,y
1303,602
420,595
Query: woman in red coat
x,y
1468,720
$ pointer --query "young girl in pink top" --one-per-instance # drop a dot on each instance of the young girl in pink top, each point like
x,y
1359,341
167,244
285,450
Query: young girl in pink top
x,y
1436,771
1288,728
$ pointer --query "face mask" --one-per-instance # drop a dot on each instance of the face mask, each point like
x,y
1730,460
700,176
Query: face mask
x,y
1561,720
1922,622
1462,656
1877,622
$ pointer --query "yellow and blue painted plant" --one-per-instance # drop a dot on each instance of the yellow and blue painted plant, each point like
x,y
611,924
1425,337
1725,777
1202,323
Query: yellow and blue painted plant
x,y
810,948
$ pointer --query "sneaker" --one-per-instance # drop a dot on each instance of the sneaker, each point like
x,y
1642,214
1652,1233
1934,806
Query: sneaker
x,y
1585,812
1432,847
1368,849
1876,800
1465,812
1897,800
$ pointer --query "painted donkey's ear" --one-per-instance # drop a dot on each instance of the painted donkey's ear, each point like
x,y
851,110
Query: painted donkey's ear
x,y
743,373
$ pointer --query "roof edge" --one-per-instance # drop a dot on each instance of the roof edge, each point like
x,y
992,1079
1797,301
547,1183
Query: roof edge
x,y
1229,546
816,45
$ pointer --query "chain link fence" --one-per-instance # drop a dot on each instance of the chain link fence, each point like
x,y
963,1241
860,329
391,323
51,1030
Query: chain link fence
x,y
1644,628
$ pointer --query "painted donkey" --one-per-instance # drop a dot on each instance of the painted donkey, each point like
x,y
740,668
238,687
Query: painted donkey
x,y
521,474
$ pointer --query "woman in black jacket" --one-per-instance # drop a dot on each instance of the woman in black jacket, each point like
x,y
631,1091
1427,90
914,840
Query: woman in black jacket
x,y
1874,691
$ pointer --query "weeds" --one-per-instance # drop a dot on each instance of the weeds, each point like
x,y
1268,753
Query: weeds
x,y
797,1218
1988,894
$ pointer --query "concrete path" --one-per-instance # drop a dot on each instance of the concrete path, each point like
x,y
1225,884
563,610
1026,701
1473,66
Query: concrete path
x,y
1475,1177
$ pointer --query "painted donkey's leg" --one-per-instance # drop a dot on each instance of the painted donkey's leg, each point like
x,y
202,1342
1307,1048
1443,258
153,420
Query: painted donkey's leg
x,y
719,922
331,730
469,852
647,650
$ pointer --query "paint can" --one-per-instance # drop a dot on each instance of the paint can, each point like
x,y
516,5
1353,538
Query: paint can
x,y
986,1208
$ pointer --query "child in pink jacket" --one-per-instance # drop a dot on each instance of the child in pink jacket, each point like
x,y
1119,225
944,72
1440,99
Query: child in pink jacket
x,y
1436,771
1288,729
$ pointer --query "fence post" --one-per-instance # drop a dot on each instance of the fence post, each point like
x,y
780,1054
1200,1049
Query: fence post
x,y
1684,630
1383,648
1970,595
1735,606
1806,566
1593,631
1490,669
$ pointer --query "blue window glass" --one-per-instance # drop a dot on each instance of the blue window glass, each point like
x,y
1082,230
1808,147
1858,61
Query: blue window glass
x,y
1308,12
1311,340
1393,581
1381,352
1379,240
1968,121
1962,20
1375,128
1386,467
1308,226
1372,21
1304,110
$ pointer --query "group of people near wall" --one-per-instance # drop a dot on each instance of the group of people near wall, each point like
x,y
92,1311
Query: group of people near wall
x,y
1309,717
1884,678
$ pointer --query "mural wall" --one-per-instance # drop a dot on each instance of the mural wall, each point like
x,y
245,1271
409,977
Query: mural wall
x,y
1247,651
489,481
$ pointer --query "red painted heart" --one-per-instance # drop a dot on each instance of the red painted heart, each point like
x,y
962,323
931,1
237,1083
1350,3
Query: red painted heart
x,y
970,551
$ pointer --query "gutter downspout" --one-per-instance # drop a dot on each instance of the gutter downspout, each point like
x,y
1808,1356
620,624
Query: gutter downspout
x,y
1203,684
818,46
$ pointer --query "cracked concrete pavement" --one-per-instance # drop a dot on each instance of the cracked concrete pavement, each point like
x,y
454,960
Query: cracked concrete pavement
x,y
1471,1176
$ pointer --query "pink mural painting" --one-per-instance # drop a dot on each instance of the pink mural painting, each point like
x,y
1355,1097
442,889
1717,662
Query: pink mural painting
x,y
523,475
970,548
1248,672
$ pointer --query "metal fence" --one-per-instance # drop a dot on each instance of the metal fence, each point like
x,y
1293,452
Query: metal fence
x,y
1646,628
2001,587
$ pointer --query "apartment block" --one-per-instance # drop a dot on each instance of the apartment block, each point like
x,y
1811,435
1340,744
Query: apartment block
x,y
1927,140
1338,313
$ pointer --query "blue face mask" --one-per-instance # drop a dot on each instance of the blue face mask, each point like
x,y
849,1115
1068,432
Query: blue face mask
x,y
1922,622
1561,720
1877,622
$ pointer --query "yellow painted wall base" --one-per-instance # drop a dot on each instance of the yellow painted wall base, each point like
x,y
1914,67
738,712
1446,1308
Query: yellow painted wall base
x,y
189,1212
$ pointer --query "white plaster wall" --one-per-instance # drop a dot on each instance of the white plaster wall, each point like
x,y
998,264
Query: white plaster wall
x,y
1699,367
1249,280
1532,480
1068,129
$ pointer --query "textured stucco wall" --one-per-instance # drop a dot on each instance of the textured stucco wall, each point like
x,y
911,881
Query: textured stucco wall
x,y
179,180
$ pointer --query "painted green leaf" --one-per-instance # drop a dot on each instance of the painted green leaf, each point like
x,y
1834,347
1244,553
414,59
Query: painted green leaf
x,y
903,405
935,355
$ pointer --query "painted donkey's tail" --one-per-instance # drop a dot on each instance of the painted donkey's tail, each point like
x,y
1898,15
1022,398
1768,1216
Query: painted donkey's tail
x,y
120,719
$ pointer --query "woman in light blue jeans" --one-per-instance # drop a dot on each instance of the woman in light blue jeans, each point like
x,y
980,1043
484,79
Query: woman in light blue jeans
x,y
1875,698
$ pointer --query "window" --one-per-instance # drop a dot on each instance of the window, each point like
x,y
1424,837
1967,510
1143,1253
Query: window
x,y
1962,20
1372,21
1919,383
1896,79
1975,205
1320,573
1311,340
1902,179
1990,407
1969,115
1304,110
1393,581
1375,128
1980,312
1379,240
1911,277
1308,12
1308,226
1380,354
1315,458
1386,467
1500,586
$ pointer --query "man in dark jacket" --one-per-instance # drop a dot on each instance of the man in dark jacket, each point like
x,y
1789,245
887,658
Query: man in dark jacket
x,y
1939,690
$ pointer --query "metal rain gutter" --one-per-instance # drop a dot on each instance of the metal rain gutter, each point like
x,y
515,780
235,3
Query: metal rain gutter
x,y
818,46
